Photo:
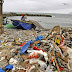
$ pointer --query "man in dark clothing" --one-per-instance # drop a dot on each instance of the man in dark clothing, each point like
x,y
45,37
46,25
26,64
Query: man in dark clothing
x,y
23,18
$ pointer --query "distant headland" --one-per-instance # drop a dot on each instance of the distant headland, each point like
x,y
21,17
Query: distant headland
x,y
26,14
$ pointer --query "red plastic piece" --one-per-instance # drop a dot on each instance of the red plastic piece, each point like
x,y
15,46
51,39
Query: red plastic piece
x,y
22,44
35,48
34,55
61,68
52,60
62,39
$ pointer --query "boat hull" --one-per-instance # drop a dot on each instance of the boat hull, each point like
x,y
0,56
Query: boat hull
x,y
22,25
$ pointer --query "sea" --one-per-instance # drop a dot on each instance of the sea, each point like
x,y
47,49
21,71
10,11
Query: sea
x,y
63,20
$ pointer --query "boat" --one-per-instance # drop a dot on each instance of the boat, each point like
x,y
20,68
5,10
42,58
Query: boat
x,y
23,24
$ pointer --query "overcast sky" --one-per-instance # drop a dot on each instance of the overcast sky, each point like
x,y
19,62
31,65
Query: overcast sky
x,y
48,6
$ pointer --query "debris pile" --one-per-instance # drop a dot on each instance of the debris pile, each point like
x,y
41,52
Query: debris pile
x,y
36,51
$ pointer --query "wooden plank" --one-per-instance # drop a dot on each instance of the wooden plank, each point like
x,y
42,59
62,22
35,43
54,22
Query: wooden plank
x,y
0,1
56,64
56,29
36,24
1,22
1,29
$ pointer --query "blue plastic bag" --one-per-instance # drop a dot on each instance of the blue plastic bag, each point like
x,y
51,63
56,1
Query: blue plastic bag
x,y
25,47
38,44
39,38
9,67
1,70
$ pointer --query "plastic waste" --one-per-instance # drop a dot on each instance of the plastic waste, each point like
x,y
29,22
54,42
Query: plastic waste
x,y
54,51
22,44
40,52
0,53
13,61
35,48
39,38
30,68
33,55
0,41
38,44
9,67
48,69
1,70
2,58
61,68
41,63
25,47
58,41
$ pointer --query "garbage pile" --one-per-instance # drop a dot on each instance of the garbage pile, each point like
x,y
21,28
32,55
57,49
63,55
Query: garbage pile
x,y
36,51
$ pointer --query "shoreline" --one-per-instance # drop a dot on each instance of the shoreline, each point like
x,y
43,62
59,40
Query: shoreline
x,y
15,14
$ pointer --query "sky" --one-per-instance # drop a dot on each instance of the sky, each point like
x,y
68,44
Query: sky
x,y
42,6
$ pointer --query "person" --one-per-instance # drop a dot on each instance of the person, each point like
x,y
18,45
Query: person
x,y
23,18
5,20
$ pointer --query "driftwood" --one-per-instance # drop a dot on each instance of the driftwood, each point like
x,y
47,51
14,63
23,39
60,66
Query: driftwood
x,y
1,22
36,24
56,30
33,32
56,64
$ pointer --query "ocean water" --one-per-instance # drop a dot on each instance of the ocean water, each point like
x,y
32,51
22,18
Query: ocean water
x,y
64,20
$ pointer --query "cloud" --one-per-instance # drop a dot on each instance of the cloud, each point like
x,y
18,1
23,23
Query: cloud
x,y
64,11
36,5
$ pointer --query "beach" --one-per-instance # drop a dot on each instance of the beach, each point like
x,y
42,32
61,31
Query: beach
x,y
10,49
44,45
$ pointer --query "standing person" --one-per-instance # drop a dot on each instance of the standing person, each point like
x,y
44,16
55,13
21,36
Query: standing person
x,y
23,18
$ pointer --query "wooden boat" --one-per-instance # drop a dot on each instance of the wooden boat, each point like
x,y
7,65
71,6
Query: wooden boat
x,y
23,24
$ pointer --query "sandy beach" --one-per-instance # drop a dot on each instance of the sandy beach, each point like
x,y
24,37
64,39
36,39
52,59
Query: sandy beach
x,y
11,40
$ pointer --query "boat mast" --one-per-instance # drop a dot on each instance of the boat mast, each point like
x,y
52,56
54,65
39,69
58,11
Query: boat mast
x,y
1,17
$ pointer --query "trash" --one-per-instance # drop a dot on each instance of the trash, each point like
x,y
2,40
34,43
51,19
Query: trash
x,y
55,30
13,61
29,69
35,48
25,57
22,44
2,58
61,68
9,67
1,70
40,52
39,38
30,50
58,41
24,48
